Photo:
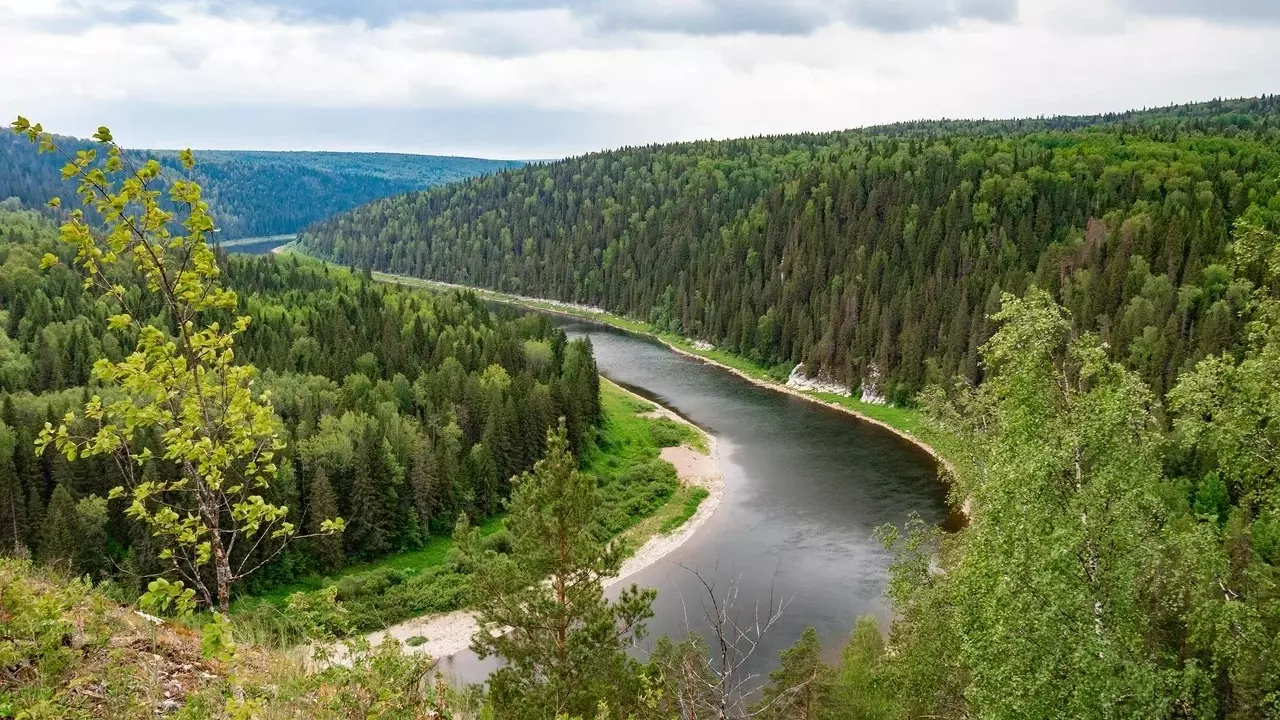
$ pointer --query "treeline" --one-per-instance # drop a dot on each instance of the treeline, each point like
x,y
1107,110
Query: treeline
x,y
400,409
255,193
874,257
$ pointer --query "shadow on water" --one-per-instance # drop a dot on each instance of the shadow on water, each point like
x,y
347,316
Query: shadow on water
x,y
805,488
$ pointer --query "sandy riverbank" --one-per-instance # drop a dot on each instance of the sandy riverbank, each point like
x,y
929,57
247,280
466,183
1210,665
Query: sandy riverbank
x,y
450,633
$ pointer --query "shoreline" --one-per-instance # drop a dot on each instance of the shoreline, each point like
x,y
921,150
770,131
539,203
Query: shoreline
x,y
600,315
450,633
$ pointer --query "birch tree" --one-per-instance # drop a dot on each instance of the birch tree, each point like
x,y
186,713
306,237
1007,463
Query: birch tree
x,y
181,383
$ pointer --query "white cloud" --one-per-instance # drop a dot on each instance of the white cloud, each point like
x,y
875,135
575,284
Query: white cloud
x,y
484,82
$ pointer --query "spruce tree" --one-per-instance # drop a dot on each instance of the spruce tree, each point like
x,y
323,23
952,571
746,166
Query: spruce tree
x,y
424,483
324,504
13,506
35,513
60,536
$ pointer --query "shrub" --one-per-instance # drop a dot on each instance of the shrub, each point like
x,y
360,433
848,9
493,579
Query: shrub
x,y
374,582
499,542
668,433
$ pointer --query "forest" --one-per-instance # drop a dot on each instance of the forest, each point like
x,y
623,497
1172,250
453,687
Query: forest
x,y
259,193
875,257
1085,312
401,409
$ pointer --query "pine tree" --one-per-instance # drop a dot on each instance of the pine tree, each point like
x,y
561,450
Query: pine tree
x,y
567,649
799,686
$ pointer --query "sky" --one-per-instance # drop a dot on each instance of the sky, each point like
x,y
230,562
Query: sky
x,y
528,79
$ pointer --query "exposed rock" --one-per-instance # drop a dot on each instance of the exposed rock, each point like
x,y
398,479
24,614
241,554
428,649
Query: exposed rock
x,y
800,381
870,397
703,345
872,393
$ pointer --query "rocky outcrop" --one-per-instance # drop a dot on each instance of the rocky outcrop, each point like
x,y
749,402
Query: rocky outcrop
x,y
800,381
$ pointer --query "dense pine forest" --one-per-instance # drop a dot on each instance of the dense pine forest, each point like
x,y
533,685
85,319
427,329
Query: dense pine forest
x,y
258,193
401,410
876,256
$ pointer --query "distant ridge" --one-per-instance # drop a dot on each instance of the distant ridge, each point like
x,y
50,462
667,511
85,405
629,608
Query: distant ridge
x,y
259,192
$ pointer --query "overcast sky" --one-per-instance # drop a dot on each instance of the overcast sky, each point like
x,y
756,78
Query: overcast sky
x,y
546,78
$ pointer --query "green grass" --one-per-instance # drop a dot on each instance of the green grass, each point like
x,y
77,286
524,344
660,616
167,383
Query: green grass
x,y
687,505
627,439
429,555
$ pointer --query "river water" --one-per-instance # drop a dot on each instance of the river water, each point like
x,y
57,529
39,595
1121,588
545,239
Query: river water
x,y
805,487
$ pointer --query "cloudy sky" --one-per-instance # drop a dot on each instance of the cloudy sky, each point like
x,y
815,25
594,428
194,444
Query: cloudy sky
x,y
546,78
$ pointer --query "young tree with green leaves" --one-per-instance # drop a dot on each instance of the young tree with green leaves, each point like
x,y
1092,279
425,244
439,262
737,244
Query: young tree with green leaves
x,y
181,382
858,689
1084,586
542,608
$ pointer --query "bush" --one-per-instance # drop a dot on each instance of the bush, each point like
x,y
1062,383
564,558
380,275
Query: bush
x,y
434,589
415,641
374,582
499,542
668,433
635,494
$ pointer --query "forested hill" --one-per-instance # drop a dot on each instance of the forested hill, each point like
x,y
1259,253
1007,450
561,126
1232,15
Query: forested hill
x,y
874,256
256,193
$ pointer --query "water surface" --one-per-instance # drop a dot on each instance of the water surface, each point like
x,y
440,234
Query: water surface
x,y
805,487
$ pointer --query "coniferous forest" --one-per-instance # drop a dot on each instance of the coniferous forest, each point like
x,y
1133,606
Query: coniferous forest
x,y
259,193
402,410
875,257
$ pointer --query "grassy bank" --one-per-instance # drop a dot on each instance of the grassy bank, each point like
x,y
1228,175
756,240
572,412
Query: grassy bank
x,y
641,495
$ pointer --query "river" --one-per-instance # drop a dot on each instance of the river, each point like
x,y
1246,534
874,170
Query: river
x,y
805,487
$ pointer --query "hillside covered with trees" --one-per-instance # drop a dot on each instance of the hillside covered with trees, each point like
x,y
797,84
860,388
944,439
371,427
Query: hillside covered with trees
x,y
258,193
401,409
875,256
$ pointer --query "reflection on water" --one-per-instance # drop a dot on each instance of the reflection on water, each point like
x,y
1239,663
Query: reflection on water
x,y
805,487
